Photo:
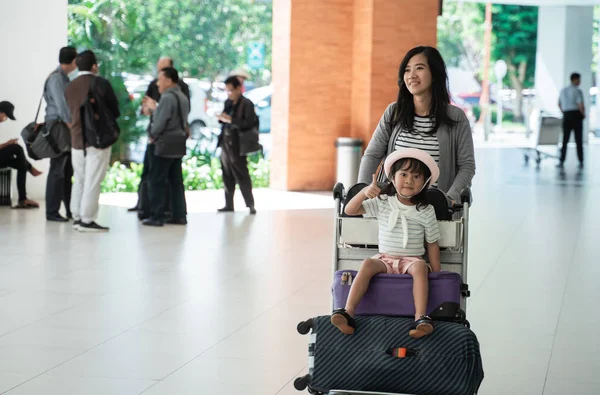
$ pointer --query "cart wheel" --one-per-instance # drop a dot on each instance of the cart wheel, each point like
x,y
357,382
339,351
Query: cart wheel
x,y
526,157
460,316
302,382
305,326
538,161
467,324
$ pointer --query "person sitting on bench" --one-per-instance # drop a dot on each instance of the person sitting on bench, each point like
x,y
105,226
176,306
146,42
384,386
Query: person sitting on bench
x,y
12,155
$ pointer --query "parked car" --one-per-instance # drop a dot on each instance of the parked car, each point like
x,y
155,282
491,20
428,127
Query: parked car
x,y
261,97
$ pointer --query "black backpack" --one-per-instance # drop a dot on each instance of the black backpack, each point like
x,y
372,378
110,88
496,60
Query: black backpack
x,y
99,127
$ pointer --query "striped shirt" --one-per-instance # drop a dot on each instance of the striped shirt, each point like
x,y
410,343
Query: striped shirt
x,y
422,226
421,138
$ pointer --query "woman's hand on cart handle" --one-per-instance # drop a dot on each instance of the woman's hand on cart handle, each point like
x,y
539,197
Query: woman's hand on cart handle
x,y
372,191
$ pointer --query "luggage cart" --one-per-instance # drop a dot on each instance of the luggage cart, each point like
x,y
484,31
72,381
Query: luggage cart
x,y
356,239
548,133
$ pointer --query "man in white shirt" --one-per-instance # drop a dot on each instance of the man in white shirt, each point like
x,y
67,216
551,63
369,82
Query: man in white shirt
x,y
572,106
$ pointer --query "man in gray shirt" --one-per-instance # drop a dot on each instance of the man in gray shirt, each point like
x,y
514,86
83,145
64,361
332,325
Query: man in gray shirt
x,y
572,106
58,114
168,132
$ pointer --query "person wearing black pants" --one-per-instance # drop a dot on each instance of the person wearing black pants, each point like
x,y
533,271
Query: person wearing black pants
x,y
168,135
572,121
13,156
59,183
572,106
166,173
58,187
149,103
238,116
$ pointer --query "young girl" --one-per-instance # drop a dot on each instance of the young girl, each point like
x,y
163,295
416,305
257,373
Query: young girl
x,y
406,221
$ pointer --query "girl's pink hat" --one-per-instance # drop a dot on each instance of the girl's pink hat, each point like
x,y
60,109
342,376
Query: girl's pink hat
x,y
414,153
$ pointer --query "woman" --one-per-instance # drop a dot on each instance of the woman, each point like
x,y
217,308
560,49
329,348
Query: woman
x,y
423,118
238,117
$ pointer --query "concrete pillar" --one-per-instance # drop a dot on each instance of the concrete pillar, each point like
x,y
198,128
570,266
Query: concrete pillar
x,y
32,31
564,46
335,70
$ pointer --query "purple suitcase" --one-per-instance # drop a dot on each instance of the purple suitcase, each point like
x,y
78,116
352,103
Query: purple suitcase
x,y
391,295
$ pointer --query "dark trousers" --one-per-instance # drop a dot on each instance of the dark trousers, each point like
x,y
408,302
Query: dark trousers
x,y
235,170
572,121
59,184
165,172
143,202
13,156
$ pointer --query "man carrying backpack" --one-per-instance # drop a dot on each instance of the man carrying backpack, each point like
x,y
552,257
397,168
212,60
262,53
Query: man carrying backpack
x,y
94,111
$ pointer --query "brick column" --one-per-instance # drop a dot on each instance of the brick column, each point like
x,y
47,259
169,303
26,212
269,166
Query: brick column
x,y
335,68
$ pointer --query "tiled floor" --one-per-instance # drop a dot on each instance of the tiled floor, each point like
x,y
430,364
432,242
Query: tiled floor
x,y
212,308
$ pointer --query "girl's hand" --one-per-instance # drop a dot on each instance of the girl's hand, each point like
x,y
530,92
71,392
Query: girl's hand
x,y
372,191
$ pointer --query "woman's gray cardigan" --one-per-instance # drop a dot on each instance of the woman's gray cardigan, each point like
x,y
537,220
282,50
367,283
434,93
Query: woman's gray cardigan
x,y
457,157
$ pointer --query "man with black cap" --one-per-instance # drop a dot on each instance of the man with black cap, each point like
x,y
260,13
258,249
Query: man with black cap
x,y
58,185
12,155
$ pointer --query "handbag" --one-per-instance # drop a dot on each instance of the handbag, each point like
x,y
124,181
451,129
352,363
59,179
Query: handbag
x,y
173,145
46,140
249,139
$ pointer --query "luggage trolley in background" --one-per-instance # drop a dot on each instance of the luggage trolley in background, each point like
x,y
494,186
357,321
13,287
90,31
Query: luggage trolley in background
x,y
548,133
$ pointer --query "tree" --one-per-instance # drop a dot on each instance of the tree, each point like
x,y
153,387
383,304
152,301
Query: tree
x,y
515,41
104,27
460,36
206,39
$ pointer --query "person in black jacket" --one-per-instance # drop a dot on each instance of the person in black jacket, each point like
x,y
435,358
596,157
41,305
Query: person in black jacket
x,y
148,106
167,146
237,117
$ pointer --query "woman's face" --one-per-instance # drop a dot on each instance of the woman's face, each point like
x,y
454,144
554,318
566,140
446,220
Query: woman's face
x,y
417,76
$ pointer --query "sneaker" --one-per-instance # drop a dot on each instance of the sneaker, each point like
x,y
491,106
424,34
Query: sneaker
x,y
92,227
77,224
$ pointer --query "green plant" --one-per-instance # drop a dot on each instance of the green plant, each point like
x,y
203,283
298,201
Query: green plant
x,y
507,116
121,178
201,171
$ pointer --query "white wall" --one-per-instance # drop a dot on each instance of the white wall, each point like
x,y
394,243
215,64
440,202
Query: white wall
x,y
32,31
564,45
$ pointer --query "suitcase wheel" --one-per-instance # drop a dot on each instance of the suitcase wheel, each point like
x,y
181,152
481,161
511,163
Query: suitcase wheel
x,y
305,326
302,382
467,324
460,316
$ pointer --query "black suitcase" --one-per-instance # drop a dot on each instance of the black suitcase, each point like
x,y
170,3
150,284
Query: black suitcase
x,y
447,362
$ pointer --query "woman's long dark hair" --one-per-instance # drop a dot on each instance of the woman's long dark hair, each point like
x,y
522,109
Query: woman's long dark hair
x,y
440,97
414,166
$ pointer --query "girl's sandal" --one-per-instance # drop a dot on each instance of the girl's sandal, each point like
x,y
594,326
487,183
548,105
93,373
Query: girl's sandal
x,y
422,327
342,320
